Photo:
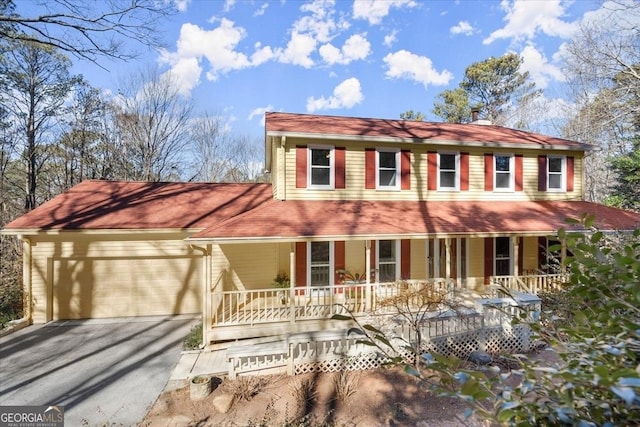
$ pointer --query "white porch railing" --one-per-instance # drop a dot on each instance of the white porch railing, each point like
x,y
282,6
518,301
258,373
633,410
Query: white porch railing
x,y
533,284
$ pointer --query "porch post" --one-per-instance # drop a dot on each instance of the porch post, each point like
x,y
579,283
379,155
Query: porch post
x,y
563,257
516,251
447,256
292,282
367,268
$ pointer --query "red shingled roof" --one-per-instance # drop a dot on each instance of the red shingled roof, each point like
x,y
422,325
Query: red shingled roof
x,y
305,219
290,123
248,212
143,205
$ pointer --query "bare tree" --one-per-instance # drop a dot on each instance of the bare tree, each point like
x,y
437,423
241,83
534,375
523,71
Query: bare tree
x,y
88,29
220,156
602,63
38,81
152,118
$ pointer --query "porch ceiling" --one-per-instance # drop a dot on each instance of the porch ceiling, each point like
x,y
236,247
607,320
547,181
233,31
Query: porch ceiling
x,y
298,219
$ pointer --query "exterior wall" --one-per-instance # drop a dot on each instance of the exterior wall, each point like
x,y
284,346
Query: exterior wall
x,y
355,175
419,259
530,255
475,278
354,256
245,266
77,275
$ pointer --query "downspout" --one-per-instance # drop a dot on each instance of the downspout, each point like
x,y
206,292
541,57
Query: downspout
x,y
206,252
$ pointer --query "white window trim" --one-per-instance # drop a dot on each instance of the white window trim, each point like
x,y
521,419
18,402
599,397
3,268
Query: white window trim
x,y
398,258
395,187
332,167
457,178
512,173
331,265
495,257
563,175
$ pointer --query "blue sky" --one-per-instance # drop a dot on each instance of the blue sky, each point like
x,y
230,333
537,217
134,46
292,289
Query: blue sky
x,y
368,58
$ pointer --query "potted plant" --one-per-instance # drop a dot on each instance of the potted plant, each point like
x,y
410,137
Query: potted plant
x,y
199,387
282,282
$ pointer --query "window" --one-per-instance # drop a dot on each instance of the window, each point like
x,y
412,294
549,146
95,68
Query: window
x,y
321,167
448,171
556,167
503,256
504,172
388,169
320,261
388,265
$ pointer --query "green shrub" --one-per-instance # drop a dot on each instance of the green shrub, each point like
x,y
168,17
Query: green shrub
x,y
194,338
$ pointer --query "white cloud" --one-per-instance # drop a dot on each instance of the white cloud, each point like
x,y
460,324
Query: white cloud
x,y
345,95
356,47
320,24
298,50
374,10
261,10
406,65
539,68
182,5
463,27
390,39
259,112
217,46
525,18
228,5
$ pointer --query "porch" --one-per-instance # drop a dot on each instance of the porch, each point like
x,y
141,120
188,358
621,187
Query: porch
x,y
244,314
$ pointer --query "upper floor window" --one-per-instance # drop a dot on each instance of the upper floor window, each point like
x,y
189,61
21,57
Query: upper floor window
x,y
321,167
448,171
504,172
556,173
388,169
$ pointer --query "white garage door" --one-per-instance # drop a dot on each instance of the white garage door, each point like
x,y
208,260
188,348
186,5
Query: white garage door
x,y
114,287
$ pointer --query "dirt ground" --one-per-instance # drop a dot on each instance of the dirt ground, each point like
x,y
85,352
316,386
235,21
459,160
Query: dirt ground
x,y
381,397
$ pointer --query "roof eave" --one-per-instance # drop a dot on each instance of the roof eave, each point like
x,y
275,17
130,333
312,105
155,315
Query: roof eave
x,y
442,142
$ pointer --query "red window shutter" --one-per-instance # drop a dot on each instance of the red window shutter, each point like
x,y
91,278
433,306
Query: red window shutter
x,y
405,169
464,171
488,259
340,169
542,173
488,171
339,258
570,162
370,168
432,170
519,172
373,261
301,166
405,259
301,264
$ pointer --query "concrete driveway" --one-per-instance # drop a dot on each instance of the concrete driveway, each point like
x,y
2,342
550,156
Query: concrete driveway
x,y
104,372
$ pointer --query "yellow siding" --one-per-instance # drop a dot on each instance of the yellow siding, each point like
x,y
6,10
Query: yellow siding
x,y
530,255
418,259
476,264
246,266
355,254
355,176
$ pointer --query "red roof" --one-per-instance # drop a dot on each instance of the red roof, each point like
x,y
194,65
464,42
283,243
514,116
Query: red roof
x,y
306,219
290,123
143,205
248,212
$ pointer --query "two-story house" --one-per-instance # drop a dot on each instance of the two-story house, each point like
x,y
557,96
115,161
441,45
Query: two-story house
x,y
463,205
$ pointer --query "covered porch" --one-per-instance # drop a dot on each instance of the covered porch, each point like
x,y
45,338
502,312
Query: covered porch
x,y
328,277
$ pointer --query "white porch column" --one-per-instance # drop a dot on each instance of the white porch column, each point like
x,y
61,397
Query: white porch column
x,y
292,282
367,269
447,256
516,252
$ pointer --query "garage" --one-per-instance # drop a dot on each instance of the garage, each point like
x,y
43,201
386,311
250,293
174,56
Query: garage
x,y
101,287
